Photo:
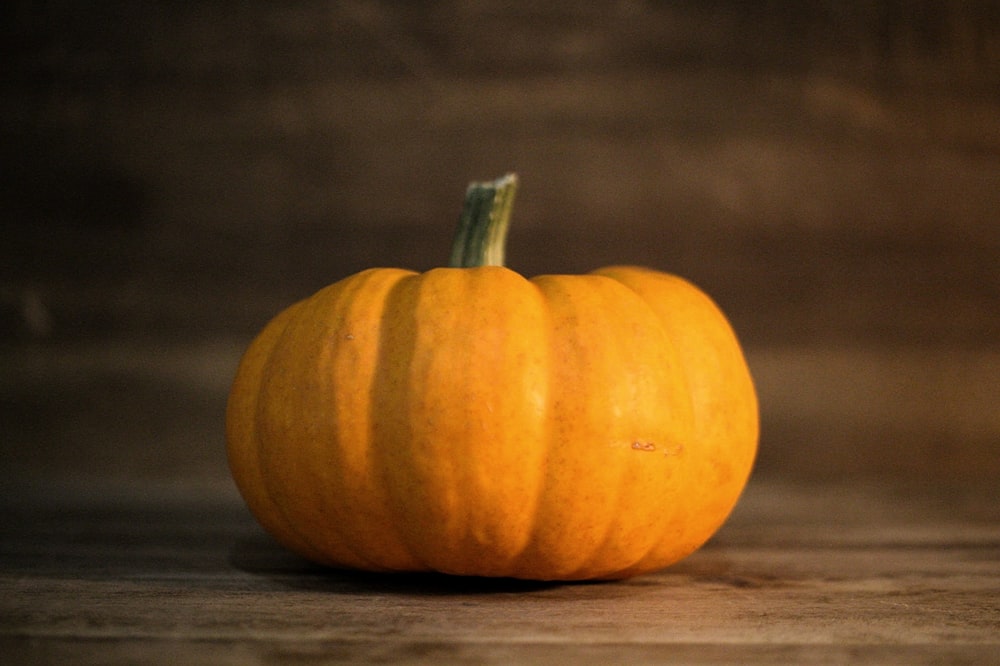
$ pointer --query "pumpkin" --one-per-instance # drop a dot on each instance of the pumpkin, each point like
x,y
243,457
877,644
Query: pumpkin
x,y
470,421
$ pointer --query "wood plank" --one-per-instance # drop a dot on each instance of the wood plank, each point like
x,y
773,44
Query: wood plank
x,y
822,575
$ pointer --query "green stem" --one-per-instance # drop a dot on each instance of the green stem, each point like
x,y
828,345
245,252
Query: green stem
x,y
481,237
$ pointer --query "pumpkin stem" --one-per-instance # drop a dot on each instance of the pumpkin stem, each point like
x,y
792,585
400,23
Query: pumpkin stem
x,y
481,237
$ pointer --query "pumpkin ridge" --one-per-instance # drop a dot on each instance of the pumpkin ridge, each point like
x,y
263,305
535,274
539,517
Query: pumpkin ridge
x,y
311,335
673,441
591,345
392,361
455,439
723,394
282,527
353,345
242,428
308,541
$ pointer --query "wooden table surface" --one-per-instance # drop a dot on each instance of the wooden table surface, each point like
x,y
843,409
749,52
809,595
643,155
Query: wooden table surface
x,y
179,573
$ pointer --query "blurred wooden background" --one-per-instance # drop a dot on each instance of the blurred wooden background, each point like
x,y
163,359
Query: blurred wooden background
x,y
174,173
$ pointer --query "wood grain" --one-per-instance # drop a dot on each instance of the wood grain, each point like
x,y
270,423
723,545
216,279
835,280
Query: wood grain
x,y
819,575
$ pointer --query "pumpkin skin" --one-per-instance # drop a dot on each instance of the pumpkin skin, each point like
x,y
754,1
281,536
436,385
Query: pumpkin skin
x,y
470,421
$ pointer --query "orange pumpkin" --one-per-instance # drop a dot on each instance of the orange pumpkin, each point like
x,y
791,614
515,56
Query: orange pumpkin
x,y
470,421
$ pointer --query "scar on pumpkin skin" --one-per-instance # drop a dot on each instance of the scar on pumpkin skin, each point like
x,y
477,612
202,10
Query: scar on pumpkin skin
x,y
643,446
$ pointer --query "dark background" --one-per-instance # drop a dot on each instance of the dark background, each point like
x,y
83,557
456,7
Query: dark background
x,y
174,173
